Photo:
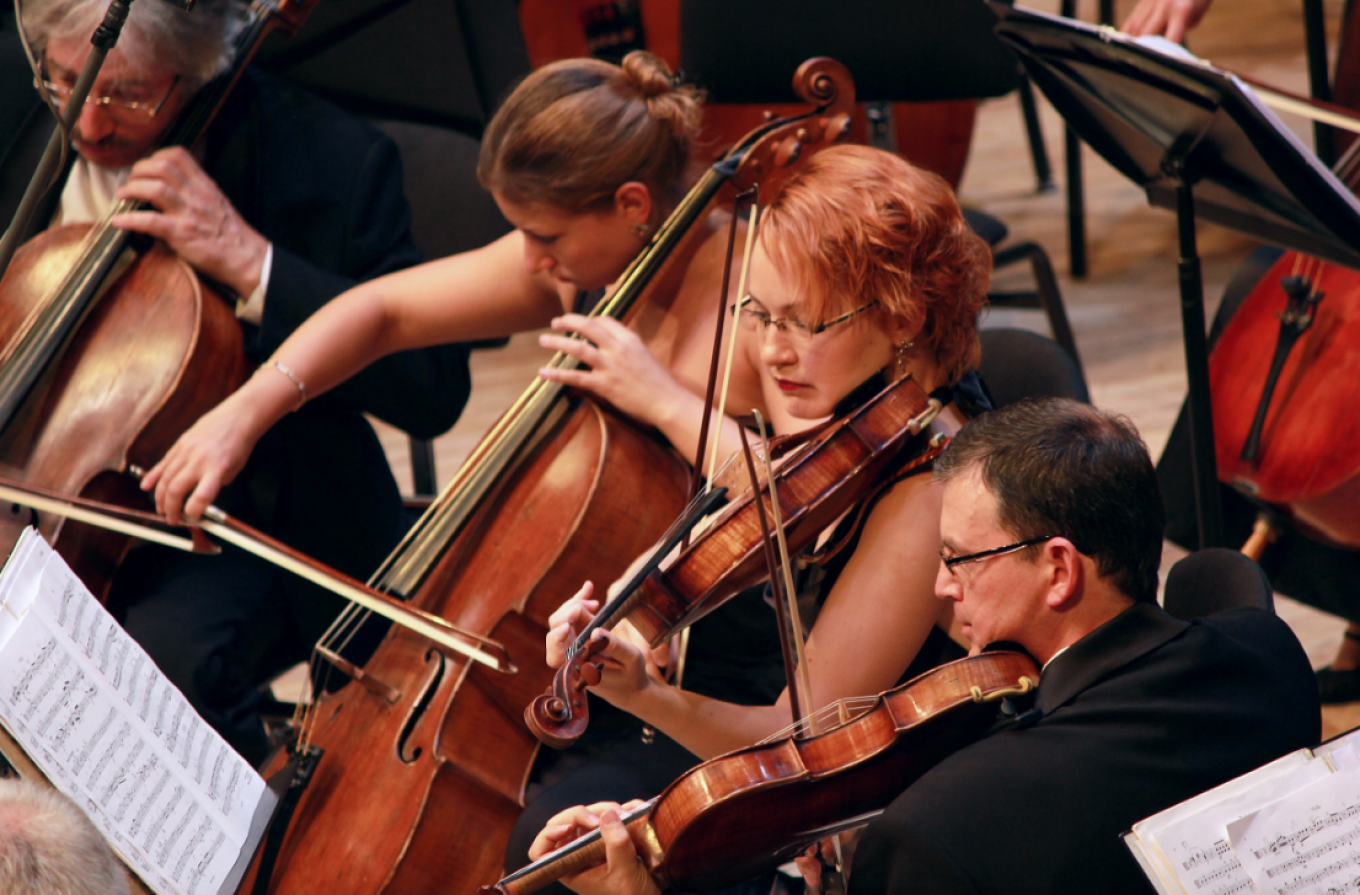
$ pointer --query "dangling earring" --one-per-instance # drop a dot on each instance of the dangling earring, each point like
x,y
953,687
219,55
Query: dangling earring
x,y
641,230
902,348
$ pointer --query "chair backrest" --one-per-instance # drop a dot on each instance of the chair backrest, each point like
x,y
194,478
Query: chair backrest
x,y
897,50
450,212
1214,579
1018,364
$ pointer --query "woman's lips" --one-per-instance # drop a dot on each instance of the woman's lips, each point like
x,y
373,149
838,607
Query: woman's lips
x,y
788,385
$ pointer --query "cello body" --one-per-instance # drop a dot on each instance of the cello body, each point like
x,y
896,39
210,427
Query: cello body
x,y
158,350
421,790
1309,460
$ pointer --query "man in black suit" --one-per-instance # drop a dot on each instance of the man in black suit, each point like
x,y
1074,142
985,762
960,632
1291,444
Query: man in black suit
x,y
1051,540
289,203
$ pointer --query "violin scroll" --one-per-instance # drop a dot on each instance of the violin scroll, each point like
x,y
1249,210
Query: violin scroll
x,y
560,716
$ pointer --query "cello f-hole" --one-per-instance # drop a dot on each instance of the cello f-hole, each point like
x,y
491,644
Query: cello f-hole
x,y
426,695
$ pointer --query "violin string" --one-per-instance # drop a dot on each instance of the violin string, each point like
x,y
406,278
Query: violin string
x,y
841,712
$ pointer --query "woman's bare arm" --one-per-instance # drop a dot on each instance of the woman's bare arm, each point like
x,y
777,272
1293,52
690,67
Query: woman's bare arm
x,y
478,294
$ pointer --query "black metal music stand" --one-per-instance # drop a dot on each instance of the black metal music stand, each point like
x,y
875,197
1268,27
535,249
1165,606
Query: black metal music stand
x,y
1198,142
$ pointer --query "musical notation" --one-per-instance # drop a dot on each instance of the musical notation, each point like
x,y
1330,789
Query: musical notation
x,y
97,716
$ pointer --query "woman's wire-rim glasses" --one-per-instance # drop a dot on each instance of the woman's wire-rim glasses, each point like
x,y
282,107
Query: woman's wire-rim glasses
x,y
951,561
752,320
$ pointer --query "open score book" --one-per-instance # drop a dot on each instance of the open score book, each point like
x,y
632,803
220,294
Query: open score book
x,y
92,711
1291,827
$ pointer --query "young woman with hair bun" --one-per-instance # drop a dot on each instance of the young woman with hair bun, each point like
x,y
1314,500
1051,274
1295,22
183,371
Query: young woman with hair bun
x,y
585,159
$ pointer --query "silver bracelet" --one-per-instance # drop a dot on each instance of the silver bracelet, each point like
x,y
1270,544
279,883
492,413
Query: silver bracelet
x,y
301,386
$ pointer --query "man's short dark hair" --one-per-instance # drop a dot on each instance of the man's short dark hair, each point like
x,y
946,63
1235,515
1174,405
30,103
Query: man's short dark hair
x,y
1059,467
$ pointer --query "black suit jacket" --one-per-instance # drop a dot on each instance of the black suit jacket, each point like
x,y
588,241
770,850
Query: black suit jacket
x,y
1142,713
326,189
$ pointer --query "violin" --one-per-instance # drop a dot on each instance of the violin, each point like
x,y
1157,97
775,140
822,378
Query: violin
x,y
110,347
744,813
830,473
432,746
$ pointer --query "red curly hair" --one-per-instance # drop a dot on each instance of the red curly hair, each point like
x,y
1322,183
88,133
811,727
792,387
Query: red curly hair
x,y
858,224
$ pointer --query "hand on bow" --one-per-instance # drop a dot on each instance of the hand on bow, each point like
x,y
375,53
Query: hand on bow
x,y
194,218
621,370
622,873
1169,18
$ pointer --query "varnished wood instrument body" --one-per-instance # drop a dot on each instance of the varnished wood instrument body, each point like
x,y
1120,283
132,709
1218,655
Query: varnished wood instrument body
x,y
156,352
1308,463
746,812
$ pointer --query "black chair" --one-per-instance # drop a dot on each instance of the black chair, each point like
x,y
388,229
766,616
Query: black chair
x,y
897,51
1214,579
1018,364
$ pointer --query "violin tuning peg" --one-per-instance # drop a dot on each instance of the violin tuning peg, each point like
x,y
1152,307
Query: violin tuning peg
x,y
788,152
591,674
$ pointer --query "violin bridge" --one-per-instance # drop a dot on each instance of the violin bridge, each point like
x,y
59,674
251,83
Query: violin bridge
x,y
360,677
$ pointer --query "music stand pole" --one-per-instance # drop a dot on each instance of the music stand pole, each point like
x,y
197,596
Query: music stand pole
x,y
1208,506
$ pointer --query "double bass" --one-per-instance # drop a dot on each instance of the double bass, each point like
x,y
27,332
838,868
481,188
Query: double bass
x,y
423,757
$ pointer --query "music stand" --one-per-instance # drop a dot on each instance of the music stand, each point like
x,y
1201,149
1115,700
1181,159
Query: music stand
x,y
1200,143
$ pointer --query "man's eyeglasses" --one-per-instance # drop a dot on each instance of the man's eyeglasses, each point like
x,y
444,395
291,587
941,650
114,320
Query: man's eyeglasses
x,y
122,108
797,331
951,561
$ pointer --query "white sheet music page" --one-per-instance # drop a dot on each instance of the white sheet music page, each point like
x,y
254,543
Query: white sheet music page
x,y
1190,840
94,712
1306,842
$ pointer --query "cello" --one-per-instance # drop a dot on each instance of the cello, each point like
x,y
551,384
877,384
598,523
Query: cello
x,y
429,746
110,347
1283,376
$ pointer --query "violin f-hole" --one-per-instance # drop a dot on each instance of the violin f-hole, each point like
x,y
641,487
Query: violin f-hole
x,y
422,704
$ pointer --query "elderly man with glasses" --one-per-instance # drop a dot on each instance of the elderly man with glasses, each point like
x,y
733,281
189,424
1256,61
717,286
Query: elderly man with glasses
x,y
288,203
1051,539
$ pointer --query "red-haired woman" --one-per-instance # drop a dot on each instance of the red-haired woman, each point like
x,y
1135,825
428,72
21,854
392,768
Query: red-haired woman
x,y
863,271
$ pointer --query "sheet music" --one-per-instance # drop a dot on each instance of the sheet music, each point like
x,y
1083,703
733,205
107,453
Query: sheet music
x,y
1189,842
94,712
1306,842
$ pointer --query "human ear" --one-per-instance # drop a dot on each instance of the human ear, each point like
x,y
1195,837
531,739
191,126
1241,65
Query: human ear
x,y
1062,563
633,201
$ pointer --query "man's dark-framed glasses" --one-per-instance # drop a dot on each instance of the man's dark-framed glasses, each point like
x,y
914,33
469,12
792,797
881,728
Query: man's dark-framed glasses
x,y
951,561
